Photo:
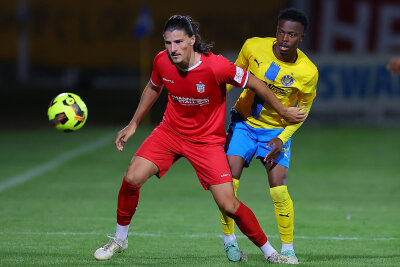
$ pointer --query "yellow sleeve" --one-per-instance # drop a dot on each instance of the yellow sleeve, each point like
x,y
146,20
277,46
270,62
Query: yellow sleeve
x,y
306,100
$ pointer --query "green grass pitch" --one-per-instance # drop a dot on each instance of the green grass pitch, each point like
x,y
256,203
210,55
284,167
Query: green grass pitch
x,y
58,195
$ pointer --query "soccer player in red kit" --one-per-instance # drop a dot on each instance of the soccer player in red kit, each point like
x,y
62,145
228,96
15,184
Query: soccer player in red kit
x,y
192,127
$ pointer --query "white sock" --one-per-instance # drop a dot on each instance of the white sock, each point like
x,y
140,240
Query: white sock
x,y
122,232
267,249
286,247
229,238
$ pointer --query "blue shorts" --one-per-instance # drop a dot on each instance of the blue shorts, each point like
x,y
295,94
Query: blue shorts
x,y
248,142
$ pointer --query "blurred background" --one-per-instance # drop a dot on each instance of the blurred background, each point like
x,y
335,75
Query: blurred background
x,y
102,50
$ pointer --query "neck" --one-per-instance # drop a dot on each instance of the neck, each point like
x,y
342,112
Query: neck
x,y
289,58
192,60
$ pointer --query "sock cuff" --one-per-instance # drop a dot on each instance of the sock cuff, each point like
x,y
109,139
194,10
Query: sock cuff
x,y
235,183
239,209
235,180
129,185
279,193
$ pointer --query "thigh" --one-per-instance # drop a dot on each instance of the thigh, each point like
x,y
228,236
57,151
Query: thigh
x,y
277,175
236,164
140,170
161,148
209,162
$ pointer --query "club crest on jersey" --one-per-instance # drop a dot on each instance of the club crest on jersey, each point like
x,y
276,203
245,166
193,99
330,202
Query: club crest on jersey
x,y
287,80
200,87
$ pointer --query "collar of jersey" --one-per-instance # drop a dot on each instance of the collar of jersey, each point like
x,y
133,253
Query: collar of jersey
x,y
192,67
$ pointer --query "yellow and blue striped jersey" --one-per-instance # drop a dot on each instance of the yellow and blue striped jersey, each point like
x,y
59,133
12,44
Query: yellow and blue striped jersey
x,y
294,84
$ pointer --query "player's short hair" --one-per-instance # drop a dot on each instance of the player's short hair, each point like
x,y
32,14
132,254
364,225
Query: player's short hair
x,y
294,14
190,27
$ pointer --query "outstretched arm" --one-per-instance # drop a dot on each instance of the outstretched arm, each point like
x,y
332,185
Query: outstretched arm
x,y
290,114
149,96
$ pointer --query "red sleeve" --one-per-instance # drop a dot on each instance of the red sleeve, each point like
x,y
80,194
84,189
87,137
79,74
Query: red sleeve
x,y
228,73
155,74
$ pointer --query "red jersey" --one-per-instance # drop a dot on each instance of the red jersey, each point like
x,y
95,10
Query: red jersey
x,y
197,96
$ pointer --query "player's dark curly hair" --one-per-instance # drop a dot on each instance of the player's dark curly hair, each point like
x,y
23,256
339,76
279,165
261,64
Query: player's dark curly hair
x,y
294,14
191,27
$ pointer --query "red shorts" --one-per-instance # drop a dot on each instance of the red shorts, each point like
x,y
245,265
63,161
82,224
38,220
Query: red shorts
x,y
164,148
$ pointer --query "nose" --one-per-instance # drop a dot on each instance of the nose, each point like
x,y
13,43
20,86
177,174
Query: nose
x,y
285,37
173,47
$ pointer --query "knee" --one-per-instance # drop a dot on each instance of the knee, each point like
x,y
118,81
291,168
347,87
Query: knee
x,y
236,164
229,207
133,176
130,178
140,170
138,173
279,194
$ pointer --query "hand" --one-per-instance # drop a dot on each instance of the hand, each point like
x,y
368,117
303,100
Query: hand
x,y
295,114
394,65
273,154
123,136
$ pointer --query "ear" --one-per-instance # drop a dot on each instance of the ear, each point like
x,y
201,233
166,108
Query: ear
x,y
192,39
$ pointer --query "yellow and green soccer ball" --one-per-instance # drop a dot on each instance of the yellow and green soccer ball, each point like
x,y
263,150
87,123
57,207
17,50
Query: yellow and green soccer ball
x,y
67,112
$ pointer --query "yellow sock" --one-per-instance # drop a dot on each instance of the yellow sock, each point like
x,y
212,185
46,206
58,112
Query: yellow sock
x,y
284,212
228,224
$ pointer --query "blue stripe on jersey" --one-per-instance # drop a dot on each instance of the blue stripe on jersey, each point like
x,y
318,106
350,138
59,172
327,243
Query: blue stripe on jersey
x,y
272,72
257,107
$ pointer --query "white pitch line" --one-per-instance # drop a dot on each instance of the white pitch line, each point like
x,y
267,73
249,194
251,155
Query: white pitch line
x,y
50,165
203,235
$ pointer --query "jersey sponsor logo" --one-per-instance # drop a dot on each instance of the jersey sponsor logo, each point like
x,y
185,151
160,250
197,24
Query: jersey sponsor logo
x,y
287,80
188,101
277,90
274,88
258,64
201,88
225,174
272,72
167,80
239,75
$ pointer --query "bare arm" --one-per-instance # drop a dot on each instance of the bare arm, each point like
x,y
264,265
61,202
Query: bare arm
x,y
290,114
149,96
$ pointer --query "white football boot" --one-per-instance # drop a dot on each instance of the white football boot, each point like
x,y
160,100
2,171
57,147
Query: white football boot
x,y
278,258
114,245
